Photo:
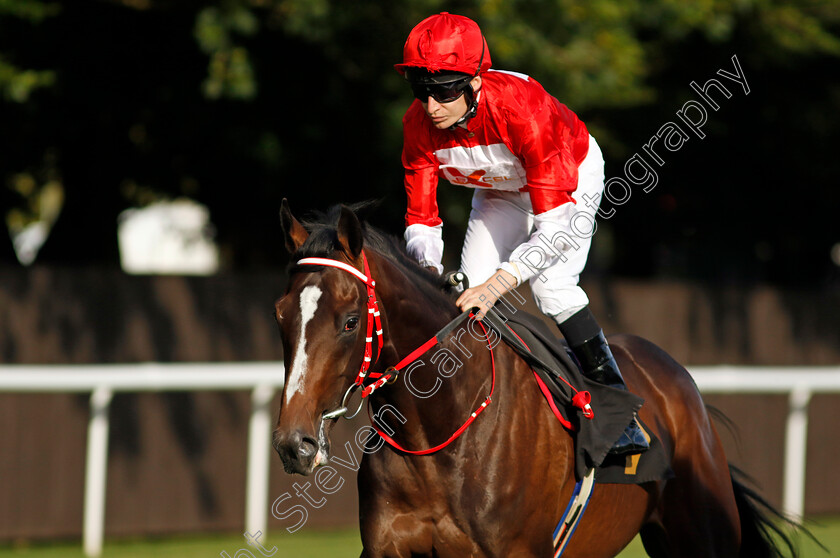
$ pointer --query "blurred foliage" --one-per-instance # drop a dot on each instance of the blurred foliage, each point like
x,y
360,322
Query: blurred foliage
x,y
16,84
229,72
43,201
238,103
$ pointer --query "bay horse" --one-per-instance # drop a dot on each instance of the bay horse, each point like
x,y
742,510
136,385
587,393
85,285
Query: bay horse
x,y
499,489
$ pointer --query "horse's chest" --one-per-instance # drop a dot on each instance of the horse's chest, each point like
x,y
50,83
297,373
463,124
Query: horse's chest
x,y
430,511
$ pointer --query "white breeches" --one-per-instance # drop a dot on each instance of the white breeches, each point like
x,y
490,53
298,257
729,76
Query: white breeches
x,y
501,221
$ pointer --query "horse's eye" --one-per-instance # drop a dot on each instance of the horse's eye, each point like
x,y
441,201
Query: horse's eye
x,y
351,323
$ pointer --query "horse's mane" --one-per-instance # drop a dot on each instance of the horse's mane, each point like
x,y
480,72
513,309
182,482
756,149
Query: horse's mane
x,y
323,242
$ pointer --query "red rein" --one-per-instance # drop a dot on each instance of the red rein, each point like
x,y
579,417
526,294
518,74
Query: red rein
x,y
373,316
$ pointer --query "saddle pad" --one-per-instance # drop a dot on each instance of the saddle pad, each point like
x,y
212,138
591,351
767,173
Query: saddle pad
x,y
613,408
652,465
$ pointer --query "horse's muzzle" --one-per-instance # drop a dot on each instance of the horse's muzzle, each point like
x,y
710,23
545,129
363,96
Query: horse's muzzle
x,y
300,453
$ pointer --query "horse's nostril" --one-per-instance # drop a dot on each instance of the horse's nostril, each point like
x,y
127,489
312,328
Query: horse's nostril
x,y
307,448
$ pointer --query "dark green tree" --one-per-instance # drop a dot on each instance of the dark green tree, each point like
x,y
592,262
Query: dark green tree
x,y
239,103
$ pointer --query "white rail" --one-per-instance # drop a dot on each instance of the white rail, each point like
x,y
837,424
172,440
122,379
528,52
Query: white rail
x,y
263,378
800,383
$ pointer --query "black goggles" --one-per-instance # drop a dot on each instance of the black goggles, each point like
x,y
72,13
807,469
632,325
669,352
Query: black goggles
x,y
440,92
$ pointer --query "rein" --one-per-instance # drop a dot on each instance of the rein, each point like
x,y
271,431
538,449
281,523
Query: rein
x,y
392,373
419,351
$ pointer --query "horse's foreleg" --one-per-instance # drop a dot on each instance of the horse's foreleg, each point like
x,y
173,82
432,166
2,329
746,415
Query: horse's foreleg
x,y
401,536
366,553
387,553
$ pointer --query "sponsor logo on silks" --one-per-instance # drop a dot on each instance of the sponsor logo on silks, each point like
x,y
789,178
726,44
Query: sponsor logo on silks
x,y
477,178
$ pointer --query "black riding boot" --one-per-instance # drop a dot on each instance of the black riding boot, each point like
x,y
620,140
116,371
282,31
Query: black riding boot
x,y
590,347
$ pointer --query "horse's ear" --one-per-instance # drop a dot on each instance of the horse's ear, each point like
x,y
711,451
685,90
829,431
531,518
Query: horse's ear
x,y
349,232
293,231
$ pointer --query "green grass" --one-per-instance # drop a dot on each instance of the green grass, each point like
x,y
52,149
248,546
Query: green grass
x,y
304,544
825,529
319,544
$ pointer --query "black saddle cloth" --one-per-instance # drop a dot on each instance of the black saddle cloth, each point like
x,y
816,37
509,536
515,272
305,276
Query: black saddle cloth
x,y
613,408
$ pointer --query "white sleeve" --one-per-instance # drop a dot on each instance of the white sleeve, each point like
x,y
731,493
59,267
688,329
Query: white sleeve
x,y
425,244
552,236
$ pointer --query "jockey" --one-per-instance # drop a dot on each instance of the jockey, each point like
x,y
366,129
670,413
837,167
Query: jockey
x,y
538,178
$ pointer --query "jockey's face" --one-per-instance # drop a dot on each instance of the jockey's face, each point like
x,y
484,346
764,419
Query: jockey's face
x,y
444,115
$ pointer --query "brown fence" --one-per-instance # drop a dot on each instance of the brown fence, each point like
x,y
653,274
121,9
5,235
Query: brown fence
x,y
177,460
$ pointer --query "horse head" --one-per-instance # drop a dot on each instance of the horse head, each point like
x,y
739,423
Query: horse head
x,y
322,317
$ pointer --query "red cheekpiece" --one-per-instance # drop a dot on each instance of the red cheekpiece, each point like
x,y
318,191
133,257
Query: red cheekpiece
x,y
446,43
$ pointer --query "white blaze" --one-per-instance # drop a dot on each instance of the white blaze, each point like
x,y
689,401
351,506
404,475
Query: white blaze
x,y
308,304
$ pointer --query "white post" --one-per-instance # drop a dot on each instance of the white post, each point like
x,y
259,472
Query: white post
x,y
96,469
796,444
259,445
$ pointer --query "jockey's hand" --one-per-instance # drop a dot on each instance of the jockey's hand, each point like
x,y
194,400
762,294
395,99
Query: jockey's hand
x,y
484,296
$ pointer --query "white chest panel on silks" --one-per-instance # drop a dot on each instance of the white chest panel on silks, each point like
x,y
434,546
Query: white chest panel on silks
x,y
482,166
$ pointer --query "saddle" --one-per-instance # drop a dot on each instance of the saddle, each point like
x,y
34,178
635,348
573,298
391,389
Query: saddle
x,y
561,379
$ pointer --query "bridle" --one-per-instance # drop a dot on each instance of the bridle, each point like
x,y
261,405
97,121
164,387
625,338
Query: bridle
x,y
392,372
372,318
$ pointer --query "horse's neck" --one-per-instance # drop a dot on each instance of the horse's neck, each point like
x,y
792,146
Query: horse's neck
x,y
437,384
412,315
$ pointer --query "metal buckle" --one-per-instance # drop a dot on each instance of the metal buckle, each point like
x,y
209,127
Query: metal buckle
x,y
393,378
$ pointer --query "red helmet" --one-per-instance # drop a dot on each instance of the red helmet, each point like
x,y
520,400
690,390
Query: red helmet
x,y
446,43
